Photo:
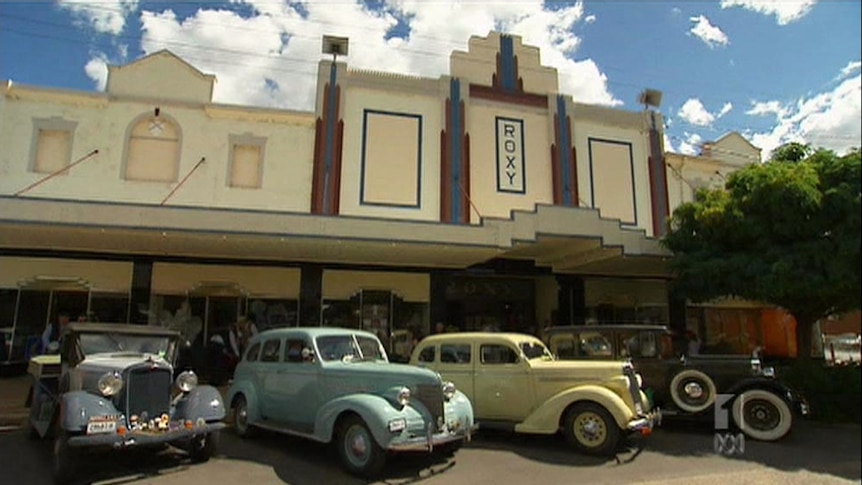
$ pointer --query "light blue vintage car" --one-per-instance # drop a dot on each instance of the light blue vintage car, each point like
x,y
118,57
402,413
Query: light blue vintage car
x,y
337,385
111,387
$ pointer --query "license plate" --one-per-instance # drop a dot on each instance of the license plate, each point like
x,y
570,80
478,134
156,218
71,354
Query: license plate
x,y
101,426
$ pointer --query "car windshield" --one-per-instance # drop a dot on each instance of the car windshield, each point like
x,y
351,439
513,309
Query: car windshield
x,y
111,342
348,348
536,350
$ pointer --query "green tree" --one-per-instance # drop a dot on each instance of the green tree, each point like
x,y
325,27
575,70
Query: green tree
x,y
786,232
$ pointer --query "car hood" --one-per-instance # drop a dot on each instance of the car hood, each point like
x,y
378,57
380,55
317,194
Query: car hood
x,y
378,376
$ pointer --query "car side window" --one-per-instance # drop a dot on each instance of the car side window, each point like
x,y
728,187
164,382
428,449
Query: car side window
x,y
253,353
564,346
271,350
294,348
455,353
427,354
498,354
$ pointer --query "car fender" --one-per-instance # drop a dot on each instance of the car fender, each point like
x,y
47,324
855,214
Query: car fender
x,y
546,418
246,389
765,383
201,402
375,410
77,407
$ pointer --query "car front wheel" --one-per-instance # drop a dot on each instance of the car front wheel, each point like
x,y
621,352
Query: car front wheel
x,y
591,429
202,448
359,452
240,418
762,415
63,459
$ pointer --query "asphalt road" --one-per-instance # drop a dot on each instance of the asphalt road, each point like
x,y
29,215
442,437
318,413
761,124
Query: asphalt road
x,y
675,455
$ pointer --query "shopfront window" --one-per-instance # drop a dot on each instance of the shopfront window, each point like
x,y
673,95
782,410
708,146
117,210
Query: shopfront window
x,y
341,313
108,307
267,313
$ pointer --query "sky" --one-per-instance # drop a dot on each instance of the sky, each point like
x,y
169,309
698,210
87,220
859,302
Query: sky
x,y
775,71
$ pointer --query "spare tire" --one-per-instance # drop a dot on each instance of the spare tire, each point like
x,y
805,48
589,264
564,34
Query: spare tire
x,y
692,391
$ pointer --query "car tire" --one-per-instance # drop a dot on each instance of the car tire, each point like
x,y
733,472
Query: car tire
x,y
762,415
358,450
202,448
64,459
448,450
240,418
692,391
591,429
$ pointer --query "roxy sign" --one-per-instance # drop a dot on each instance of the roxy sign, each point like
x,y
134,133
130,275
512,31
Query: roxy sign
x,y
510,155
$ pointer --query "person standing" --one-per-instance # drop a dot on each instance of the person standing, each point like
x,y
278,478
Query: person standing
x,y
53,331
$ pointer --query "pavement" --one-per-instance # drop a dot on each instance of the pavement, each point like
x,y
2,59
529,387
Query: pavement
x,y
13,394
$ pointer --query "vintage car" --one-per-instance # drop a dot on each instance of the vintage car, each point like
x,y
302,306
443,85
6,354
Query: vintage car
x,y
337,385
515,383
111,387
688,386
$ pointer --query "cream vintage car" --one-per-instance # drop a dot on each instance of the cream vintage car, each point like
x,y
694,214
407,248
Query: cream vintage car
x,y
515,383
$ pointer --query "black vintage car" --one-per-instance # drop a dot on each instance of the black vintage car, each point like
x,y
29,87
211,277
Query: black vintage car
x,y
692,386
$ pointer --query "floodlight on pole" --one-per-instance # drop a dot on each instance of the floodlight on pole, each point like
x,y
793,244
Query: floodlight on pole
x,y
337,46
650,97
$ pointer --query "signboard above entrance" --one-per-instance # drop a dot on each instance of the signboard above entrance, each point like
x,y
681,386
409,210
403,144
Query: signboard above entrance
x,y
510,155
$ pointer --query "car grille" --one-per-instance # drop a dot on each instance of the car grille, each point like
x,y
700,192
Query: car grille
x,y
633,385
147,391
431,396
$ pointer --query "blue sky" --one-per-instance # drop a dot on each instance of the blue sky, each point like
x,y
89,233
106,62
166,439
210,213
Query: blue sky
x,y
773,70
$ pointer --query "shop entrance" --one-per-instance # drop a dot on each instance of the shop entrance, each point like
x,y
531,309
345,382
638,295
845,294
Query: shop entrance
x,y
494,304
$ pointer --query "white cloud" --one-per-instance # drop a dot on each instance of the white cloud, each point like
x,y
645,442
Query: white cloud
x,y
765,108
831,120
668,145
694,112
97,70
280,46
724,110
106,16
708,33
691,144
849,69
589,19
785,11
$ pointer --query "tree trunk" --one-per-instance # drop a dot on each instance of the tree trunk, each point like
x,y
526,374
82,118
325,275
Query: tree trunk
x,y
804,329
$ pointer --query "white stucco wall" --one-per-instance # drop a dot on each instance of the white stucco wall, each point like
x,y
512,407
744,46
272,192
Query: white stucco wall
x,y
429,107
103,124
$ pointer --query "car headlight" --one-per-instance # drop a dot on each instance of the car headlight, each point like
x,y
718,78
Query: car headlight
x,y
769,371
640,380
448,390
110,384
187,380
403,396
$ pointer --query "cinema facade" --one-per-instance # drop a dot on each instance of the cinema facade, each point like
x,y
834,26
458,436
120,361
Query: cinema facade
x,y
485,199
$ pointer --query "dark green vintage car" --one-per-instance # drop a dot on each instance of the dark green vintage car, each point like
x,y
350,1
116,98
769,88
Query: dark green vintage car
x,y
689,386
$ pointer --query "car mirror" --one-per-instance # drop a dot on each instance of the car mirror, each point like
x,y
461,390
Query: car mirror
x,y
53,348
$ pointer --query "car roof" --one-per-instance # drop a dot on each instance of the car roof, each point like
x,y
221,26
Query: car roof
x,y
313,332
87,327
510,336
610,327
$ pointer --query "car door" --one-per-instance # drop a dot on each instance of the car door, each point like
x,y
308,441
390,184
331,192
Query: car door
x,y
298,397
502,382
268,367
455,363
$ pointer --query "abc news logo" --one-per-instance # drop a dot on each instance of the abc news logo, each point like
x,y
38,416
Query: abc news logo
x,y
726,443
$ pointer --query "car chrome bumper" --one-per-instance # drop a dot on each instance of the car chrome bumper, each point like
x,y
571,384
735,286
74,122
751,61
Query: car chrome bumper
x,y
137,438
431,440
645,424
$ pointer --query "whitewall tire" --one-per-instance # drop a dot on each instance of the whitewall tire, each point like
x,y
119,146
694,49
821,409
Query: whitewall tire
x,y
692,391
762,415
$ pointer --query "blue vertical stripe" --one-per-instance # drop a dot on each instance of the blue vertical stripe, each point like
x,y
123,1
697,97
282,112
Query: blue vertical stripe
x,y
455,147
565,149
330,130
507,64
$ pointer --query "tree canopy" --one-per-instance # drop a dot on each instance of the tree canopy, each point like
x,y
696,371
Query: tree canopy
x,y
787,232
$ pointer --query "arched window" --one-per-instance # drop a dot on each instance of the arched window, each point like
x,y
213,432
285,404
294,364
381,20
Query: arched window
x,y
153,149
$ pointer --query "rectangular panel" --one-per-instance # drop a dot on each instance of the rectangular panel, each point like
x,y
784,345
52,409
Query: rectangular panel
x,y
391,159
612,179
152,160
52,154
510,155
245,166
